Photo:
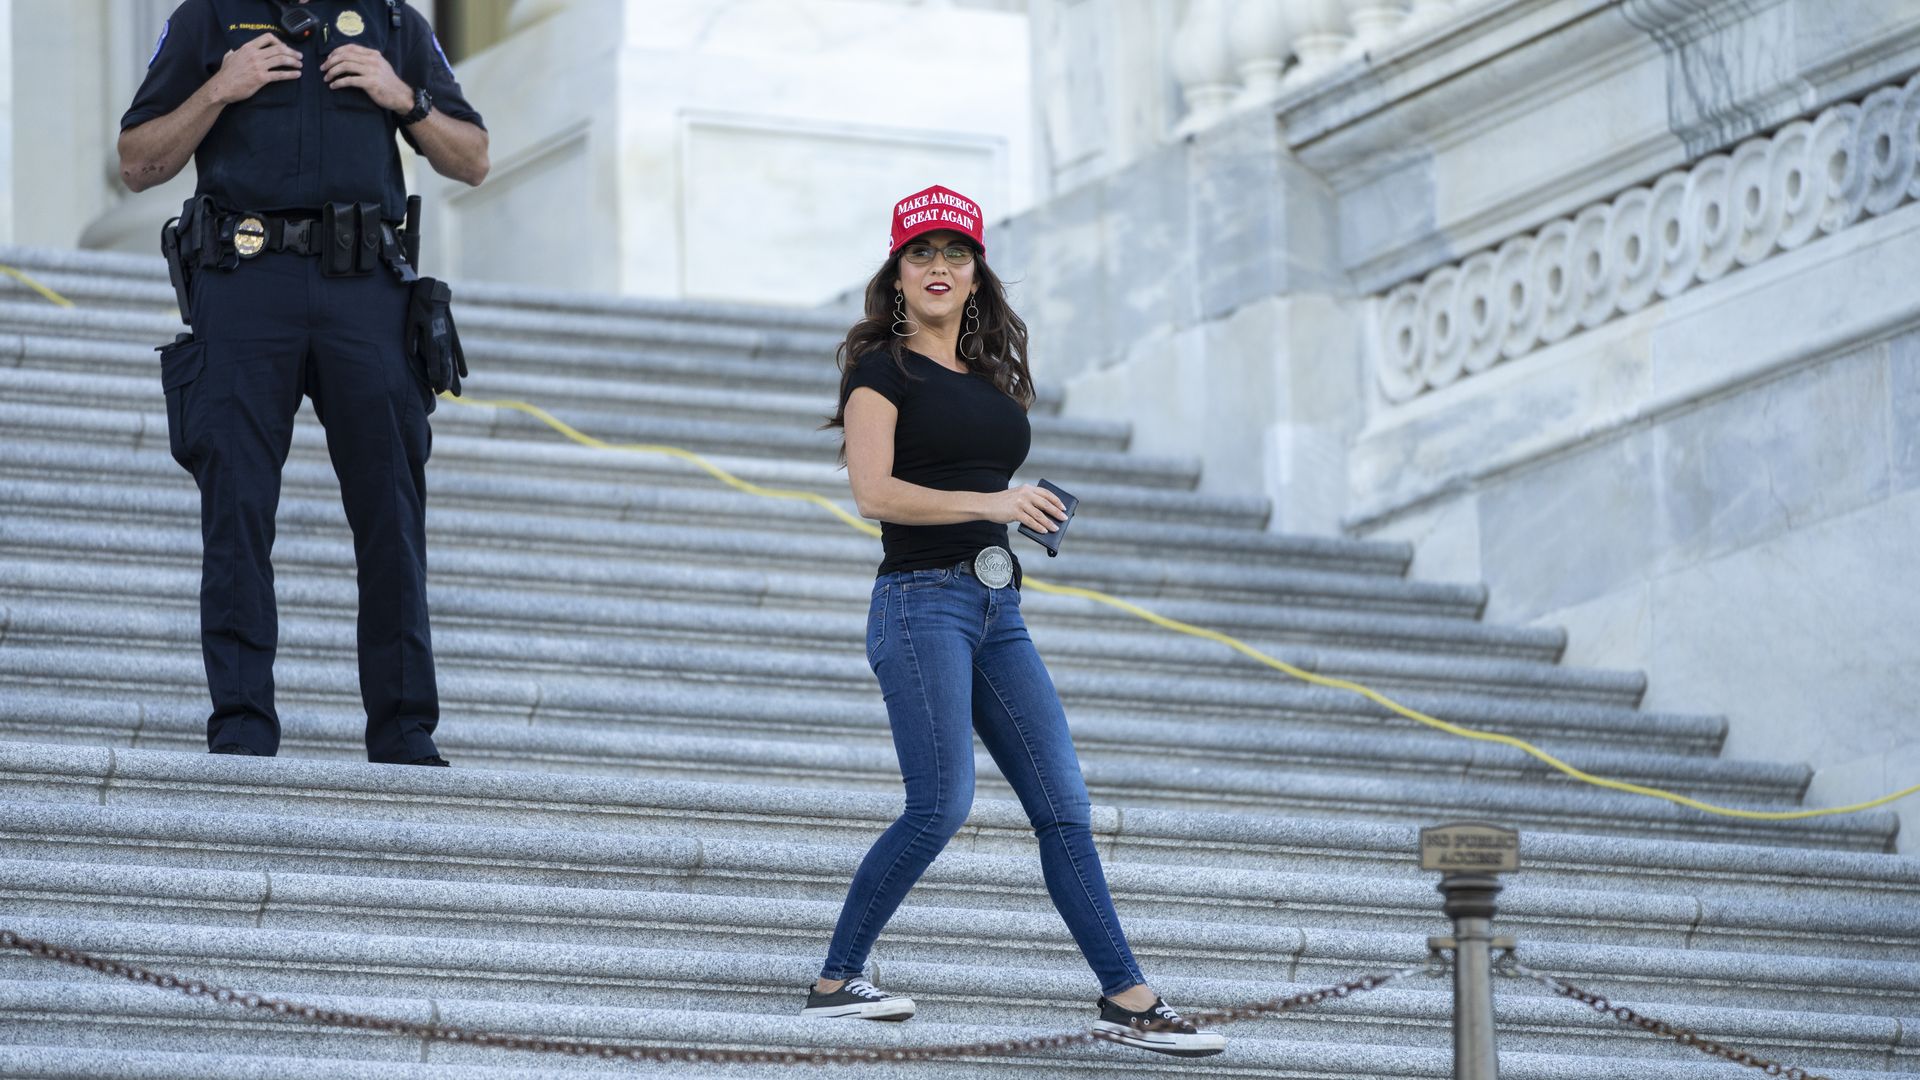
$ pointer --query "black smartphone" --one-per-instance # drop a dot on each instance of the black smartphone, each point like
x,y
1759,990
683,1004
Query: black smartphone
x,y
1051,541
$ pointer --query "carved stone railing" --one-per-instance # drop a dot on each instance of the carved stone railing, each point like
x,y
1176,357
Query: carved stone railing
x,y
1231,54
1691,226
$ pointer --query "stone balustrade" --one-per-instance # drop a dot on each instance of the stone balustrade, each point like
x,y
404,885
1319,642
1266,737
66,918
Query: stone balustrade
x,y
1231,54
1691,226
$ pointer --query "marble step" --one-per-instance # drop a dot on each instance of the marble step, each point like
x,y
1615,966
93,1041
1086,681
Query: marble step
x,y
1197,938
743,732
758,644
609,418
1396,795
652,807
718,685
1054,990
551,551
497,341
598,517
1592,889
117,279
1212,769
1251,1056
39,335
120,378
451,486
806,354
47,428
659,596
90,1015
665,535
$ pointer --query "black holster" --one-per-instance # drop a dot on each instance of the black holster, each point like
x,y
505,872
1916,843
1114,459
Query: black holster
x,y
433,341
190,243
176,268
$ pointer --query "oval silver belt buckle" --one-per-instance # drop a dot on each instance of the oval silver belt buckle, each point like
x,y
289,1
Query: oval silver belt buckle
x,y
994,567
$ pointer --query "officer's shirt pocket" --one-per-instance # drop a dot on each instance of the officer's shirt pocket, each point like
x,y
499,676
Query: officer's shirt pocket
x,y
180,366
356,133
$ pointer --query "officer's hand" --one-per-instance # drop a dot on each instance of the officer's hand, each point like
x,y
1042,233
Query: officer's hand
x,y
246,69
361,68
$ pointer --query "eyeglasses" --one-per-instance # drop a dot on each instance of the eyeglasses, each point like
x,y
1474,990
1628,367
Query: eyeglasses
x,y
922,254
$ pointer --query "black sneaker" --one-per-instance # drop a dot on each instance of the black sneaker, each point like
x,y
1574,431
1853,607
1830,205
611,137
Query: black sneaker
x,y
1173,1035
434,759
858,998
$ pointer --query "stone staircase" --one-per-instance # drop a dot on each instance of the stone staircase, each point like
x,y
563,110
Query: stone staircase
x,y
671,756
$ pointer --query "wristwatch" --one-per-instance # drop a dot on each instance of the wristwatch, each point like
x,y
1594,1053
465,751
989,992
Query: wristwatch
x,y
422,105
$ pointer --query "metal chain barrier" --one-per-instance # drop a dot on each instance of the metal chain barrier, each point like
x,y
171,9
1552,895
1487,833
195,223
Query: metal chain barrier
x,y
198,988
1510,963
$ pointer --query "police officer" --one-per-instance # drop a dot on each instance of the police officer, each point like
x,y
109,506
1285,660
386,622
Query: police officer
x,y
296,283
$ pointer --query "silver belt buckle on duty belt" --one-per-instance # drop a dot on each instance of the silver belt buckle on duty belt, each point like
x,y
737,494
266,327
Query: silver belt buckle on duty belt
x,y
994,567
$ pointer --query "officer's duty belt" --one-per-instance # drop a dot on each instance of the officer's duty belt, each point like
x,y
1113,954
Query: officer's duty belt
x,y
350,240
254,233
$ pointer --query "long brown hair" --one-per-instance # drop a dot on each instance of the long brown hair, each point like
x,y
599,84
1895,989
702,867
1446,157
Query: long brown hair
x,y
1000,353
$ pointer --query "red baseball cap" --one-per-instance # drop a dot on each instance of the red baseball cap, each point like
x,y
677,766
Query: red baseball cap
x,y
932,210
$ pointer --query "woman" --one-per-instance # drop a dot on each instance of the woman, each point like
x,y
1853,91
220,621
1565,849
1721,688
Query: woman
x,y
933,404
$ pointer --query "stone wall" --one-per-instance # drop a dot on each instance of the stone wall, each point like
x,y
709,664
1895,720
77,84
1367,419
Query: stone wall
x,y
63,113
1607,304
746,149
1746,541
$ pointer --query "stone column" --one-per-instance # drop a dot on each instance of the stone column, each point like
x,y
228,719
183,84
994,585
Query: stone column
x,y
1375,22
1321,37
1203,63
1261,38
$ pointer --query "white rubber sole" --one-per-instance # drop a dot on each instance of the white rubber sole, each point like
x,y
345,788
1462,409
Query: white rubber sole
x,y
1199,1044
898,1008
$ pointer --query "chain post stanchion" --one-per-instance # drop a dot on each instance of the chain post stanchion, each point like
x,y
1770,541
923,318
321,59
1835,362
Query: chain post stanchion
x,y
1470,857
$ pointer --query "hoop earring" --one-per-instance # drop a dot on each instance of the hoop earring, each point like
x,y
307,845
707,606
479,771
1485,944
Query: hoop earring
x,y
900,317
973,331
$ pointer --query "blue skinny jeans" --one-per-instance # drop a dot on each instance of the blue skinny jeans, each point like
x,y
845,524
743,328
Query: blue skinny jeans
x,y
953,657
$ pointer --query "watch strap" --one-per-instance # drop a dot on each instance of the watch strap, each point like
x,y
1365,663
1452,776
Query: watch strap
x,y
422,105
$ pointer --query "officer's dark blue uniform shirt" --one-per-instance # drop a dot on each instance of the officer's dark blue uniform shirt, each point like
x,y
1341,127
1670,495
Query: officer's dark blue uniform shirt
x,y
297,144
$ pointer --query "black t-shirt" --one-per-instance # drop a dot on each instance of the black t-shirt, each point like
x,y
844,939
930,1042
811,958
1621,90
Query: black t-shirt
x,y
296,144
956,432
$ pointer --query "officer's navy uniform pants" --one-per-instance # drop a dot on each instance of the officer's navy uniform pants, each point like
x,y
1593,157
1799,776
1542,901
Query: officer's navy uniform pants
x,y
267,333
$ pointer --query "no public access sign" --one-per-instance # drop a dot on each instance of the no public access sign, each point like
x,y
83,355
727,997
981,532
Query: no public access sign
x,y
1470,847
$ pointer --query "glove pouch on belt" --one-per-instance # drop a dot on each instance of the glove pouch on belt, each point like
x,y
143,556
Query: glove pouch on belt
x,y
433,342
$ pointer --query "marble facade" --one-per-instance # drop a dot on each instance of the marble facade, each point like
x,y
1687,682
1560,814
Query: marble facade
x,y
638,145
1606,304
736,149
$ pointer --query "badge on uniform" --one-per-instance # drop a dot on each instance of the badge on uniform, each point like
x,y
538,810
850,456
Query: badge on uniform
x,y
249,237
350,24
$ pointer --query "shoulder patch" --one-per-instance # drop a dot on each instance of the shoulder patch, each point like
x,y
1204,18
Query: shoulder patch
x,y
162,43
440,51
